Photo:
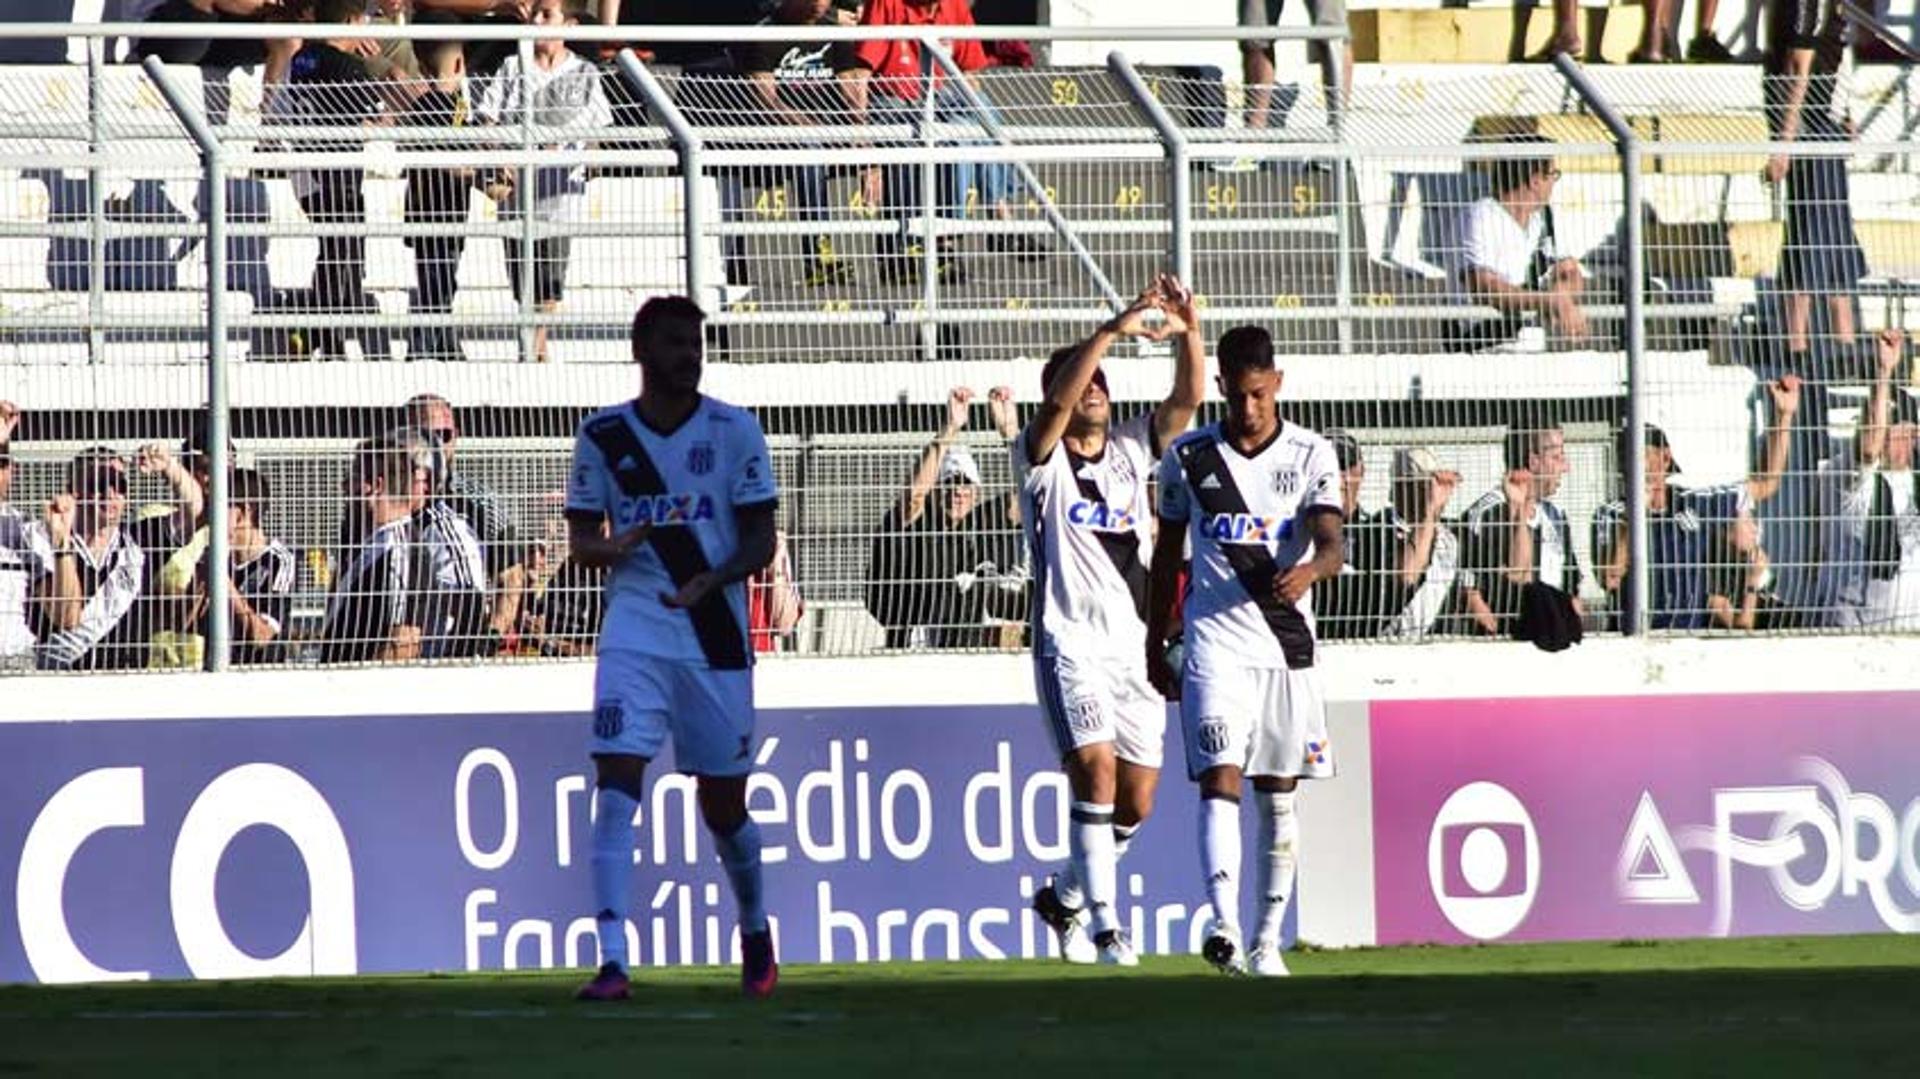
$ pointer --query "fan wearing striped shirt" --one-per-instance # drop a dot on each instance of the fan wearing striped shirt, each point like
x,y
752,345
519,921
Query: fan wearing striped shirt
x,y
370,614
1688,526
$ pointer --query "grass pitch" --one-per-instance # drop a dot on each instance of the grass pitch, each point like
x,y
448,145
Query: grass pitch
x,y
1791,1006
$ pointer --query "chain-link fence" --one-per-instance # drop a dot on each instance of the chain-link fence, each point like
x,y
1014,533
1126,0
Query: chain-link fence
x,y
437,272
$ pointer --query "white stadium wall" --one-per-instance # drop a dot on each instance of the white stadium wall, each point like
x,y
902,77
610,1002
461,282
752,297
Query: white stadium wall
x,y
161,826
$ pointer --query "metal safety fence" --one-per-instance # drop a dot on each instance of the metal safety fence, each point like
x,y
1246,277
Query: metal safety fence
x,y
1519,300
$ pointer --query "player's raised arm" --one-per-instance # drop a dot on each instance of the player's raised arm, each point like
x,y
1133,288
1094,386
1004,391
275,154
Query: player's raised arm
x,y
1175,414
1050,422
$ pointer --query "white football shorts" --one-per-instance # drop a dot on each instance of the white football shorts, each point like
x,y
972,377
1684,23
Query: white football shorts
x,y
1102,699
1265,721
639,699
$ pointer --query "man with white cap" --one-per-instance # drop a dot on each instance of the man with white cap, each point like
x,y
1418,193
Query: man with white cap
x,y
945,560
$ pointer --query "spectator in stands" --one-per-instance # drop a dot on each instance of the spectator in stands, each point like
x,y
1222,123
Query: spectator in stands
x,y
793,83
484,509
451,603
565,92
371,613
16,636
774,605
395,59
260,588
172,541
201,51
327,84
1688,527
1509,257
1706,48
1821,254
1256,57
1424,575
883,86
85,568
1350,606
1882,503
438,195
1739,582
565,621
938,572
1517,536
691,57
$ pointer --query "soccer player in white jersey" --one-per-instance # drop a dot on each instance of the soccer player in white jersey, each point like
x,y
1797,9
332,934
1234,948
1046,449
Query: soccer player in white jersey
x,y
673,495
1259,498
1084,506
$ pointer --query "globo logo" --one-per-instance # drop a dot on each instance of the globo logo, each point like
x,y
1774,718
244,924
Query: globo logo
x,y
247,796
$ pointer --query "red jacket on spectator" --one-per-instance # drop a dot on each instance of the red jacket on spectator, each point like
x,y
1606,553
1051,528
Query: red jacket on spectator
x,y
896,64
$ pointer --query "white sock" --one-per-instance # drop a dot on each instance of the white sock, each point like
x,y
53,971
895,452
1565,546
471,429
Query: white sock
x,y
1066,883
740,853
1220,858
1122,839
1280,842
612,870
1090,844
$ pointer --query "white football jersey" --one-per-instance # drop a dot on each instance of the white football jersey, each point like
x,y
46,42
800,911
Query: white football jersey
x,y
1088,535
687,483
1246,522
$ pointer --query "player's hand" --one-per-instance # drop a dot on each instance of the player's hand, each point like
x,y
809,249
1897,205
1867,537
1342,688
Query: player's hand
x,y
1288,587
152,459
1891,344
1000,406
1775,170
1785,392
959,406
59,521
9,420
1147,318
697,588
1518,487
633,537
873,188
1176,299
1160,672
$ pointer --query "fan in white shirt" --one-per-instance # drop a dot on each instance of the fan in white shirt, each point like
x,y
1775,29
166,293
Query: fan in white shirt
x,y
1508,258
1881,507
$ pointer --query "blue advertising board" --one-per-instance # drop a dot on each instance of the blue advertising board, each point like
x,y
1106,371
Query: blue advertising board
x,y
334,845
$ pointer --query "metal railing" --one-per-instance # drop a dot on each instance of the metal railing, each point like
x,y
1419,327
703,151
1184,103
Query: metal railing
x,y
1302,227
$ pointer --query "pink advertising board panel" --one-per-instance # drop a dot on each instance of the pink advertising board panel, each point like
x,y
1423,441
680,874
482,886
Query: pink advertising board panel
x,y
1642,817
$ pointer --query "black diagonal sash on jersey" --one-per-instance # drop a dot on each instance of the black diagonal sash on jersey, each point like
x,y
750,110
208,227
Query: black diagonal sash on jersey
x,y
1252,563
1123,548
719,633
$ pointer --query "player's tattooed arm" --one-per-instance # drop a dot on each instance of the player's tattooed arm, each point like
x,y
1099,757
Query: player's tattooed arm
x,y
1176,413
758,538
1329,550
1146,317
589,543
